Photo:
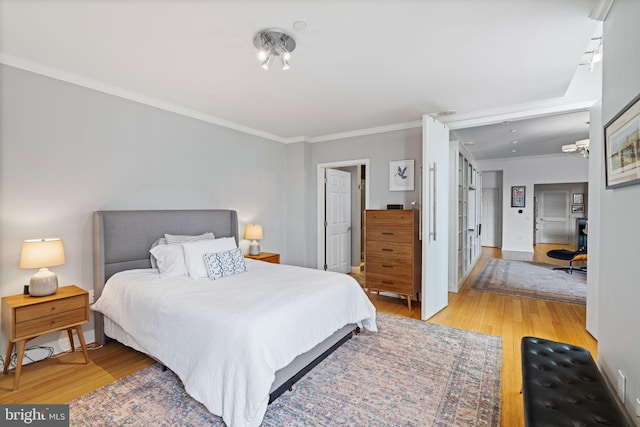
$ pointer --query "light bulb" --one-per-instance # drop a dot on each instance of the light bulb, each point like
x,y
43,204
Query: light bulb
x,y
262,55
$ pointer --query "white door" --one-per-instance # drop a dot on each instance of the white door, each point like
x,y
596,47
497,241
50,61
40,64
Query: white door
x,y
490,206
338,221
435,216
553,220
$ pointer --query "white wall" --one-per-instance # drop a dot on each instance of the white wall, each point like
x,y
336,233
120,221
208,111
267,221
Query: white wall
x,y
619,296
66,151
517,228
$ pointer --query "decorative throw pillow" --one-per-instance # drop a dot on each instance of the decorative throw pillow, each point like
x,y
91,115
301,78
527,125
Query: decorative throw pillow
x,y
227,263
170,259
194,254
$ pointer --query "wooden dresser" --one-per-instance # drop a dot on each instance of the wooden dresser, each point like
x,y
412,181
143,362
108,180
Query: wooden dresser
x,y
393,253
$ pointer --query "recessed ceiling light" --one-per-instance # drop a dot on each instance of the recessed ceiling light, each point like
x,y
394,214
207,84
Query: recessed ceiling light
x,y
514,130
513,151
300,25
469,143
514,142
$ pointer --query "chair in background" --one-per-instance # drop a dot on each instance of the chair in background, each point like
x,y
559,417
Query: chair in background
x,y
571,256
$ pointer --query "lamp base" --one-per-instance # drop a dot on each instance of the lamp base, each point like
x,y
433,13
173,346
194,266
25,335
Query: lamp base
x,y
254,248
43,283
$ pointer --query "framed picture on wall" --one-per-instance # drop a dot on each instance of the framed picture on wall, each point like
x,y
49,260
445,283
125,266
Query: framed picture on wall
x,y
622,147
401,173
518,196
577,208
578,198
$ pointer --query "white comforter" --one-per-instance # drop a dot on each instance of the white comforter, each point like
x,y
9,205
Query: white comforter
x,y
226,338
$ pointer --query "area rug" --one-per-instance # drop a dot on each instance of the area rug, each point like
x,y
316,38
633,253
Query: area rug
x,y
535,280
410,373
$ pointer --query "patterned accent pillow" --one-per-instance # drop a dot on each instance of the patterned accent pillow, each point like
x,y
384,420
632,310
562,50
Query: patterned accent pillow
x,y
226,263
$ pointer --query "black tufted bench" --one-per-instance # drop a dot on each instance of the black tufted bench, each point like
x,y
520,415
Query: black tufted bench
x,y
562,386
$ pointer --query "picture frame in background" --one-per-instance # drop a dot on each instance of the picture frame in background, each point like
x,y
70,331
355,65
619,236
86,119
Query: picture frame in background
x,y
578,198
401,175
622,147
577,208
518,193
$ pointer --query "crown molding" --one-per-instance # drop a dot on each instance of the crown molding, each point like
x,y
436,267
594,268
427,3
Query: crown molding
x,y
82,81
360,132
600,9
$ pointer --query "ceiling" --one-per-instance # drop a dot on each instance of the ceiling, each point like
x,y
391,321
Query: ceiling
x,y
358,64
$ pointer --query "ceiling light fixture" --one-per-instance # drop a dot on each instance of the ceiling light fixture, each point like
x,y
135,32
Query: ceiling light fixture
x,y
271,44
581,146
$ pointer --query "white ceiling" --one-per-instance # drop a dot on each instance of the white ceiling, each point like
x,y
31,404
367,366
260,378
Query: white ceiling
x,y
359,64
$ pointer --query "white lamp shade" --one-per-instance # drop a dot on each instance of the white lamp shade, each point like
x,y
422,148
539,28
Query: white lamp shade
x,y
253,232
39,253
42,253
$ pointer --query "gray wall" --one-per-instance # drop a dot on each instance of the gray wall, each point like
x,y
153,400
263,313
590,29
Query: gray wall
x,y
380,149
66,151
619,296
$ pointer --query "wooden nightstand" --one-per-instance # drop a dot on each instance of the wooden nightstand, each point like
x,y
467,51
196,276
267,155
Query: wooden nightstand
x,y
266,257
25,317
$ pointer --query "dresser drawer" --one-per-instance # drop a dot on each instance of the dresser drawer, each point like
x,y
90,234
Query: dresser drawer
x,y
400,267
388,249
384,233
50,323
35,311
395,217
387,283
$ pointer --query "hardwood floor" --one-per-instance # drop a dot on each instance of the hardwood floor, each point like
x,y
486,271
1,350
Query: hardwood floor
x,y
65,377
509,317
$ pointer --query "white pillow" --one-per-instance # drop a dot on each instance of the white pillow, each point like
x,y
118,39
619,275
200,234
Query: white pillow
x,y
160,241
221,264
194,254
182,238
170,260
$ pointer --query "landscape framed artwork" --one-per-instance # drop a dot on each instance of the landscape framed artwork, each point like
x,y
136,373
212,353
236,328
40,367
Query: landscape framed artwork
x,y
622,147
401,175
518,196
577,208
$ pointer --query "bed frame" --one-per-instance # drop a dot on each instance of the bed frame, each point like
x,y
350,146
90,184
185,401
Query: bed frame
x,y
121,241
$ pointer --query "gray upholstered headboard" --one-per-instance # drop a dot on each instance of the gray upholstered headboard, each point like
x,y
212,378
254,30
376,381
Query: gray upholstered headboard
x,y
122,239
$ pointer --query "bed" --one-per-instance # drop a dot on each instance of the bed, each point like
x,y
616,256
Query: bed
x,y
235,342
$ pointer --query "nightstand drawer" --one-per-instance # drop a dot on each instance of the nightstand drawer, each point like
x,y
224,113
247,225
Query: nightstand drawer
x,y
50,323
31,312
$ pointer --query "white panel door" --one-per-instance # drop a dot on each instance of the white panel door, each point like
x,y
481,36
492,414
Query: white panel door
x,y
338,217
553,222
490,206
435,216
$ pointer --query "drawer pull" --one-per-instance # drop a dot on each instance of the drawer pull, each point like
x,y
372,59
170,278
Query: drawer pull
x,y
387,282
387,233
387,266
387,250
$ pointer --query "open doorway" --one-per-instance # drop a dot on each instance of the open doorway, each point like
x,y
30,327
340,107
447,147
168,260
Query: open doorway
x,y
358,199
557,210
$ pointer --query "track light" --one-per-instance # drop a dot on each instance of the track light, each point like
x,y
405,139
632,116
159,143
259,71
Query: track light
x,y
274,43
581,146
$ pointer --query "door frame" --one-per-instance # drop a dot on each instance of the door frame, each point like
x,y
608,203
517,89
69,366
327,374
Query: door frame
x,y
322,197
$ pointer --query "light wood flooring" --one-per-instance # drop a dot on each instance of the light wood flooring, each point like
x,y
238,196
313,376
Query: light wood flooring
x,y
65,377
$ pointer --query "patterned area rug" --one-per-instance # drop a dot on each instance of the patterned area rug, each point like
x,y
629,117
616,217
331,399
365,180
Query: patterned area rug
x,y
528,279
411,373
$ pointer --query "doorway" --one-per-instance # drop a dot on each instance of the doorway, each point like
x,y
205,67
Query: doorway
x,y
359,201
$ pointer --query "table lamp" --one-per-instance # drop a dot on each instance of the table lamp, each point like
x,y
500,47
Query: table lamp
x,y
253,232
42,253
